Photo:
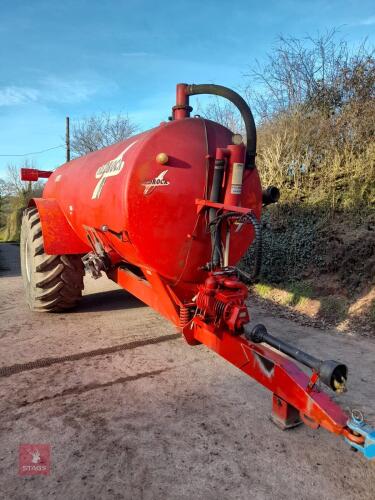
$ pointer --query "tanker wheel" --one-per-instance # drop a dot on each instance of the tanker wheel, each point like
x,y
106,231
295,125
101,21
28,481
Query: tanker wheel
x,y
53,283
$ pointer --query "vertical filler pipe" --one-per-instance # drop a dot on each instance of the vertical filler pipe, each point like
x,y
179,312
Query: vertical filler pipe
x,y
182,109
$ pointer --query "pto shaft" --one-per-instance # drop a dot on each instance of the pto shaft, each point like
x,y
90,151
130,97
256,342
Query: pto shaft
x,y
331,373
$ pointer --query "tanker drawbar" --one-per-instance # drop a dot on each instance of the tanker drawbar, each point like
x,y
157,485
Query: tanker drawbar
x,y
167,214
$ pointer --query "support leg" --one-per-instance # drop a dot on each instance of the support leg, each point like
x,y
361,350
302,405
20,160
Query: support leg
x,y
284,415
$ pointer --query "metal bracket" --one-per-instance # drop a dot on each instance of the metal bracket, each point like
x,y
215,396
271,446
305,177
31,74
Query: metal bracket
x,y
94,264
202,204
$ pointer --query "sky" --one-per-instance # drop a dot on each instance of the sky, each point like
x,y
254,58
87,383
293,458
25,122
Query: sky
x,y
75,58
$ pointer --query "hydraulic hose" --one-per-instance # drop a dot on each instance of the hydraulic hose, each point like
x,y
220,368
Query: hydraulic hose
x,y
249,218
243,108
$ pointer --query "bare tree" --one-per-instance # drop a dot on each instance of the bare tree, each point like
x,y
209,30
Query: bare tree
x,y
19,190
99,131
3,189
3,195
315,103
14,197
221,111
320,73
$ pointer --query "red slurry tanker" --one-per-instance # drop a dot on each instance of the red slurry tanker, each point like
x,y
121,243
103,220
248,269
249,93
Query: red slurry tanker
x,y
167,214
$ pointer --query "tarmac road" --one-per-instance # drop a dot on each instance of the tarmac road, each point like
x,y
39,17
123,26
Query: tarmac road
x,y
131,411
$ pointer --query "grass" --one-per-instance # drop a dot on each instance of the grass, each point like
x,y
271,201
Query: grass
x,y
300,292
330,308
263,290
292,294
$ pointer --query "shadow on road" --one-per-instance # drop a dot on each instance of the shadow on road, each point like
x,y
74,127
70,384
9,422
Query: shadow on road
x,y
111,300
10,259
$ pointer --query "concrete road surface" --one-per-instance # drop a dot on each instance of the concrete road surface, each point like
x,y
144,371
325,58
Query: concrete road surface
x,y
131,411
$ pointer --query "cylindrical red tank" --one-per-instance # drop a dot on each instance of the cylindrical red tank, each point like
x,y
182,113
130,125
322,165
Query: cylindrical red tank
x,y
145,210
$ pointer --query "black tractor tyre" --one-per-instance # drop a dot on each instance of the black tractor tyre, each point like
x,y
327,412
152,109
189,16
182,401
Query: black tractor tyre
x,y
53,283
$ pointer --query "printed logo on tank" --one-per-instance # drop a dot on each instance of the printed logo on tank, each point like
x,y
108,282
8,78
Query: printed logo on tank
x,y
158,181
109,169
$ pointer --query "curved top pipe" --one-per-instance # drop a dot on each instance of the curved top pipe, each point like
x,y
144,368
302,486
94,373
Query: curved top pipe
x,y
243,108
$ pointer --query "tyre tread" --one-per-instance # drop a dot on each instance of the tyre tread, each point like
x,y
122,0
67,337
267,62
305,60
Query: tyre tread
x,y
57,279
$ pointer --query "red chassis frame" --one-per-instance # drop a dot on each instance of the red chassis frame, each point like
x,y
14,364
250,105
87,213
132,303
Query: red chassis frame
x,y
296,397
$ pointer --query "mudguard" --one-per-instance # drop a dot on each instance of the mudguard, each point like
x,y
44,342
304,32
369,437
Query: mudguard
x,y
59,238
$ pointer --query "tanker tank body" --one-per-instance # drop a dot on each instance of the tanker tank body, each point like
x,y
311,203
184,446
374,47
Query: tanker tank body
x,y
143,191
167,214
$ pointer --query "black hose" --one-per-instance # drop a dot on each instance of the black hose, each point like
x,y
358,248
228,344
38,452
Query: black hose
x,y
243,108
251,218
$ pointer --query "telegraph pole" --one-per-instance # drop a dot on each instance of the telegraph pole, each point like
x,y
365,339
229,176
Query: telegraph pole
x,y
67,139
